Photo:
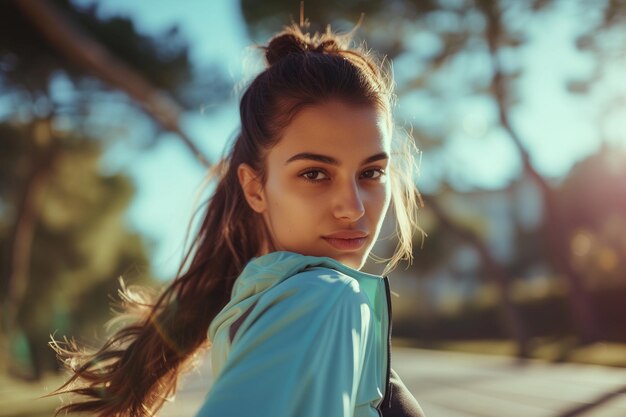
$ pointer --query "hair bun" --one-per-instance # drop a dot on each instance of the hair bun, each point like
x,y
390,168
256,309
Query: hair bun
x,y
293,41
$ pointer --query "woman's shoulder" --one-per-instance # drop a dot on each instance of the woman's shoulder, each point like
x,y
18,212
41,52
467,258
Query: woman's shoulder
x,y
305,301
313,291
316,282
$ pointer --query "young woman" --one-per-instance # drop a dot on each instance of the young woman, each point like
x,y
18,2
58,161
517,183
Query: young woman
x,y
274,283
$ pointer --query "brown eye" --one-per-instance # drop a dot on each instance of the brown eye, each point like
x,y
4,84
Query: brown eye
x,y
373,174
314,175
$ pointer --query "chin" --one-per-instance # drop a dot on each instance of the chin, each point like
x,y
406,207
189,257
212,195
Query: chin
x,y
354,261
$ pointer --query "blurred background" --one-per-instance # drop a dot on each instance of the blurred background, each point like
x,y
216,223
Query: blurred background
x,y
112,110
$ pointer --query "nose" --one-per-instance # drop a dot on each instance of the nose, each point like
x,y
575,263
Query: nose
x,y
348,204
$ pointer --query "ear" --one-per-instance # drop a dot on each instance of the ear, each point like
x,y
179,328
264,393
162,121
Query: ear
x,y
252,188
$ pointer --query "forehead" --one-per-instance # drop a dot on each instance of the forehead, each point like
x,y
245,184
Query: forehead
x,y
336,128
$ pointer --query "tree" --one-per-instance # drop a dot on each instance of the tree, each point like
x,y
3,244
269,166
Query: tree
x,y
67,238
63,239
593,198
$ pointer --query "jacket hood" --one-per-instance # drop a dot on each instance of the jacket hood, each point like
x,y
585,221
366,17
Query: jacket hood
x,y
262,273
324,330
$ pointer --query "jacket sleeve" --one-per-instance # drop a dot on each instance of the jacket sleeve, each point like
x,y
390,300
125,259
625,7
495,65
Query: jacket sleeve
x,y
302,355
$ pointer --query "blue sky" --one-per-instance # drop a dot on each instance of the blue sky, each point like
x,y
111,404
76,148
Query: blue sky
x,y
168,178
557,128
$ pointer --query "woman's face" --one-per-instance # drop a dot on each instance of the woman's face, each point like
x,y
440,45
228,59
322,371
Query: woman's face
x,y
327,188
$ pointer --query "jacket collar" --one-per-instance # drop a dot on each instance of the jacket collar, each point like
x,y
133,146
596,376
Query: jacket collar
x,y
268,270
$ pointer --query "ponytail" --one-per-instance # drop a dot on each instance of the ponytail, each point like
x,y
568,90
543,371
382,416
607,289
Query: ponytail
x,y
138,367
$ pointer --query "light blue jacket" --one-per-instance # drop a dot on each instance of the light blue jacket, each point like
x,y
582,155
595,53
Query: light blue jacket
x,y
313,341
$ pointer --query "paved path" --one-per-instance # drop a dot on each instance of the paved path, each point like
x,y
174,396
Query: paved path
x,y
463,385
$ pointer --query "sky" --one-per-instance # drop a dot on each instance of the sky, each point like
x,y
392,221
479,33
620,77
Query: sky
x,y
168,178
557,128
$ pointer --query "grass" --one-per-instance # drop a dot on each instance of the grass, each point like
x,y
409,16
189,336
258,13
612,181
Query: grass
x,y
548,349
19,398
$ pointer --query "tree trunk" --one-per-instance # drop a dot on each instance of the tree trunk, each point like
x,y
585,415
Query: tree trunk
x,y
512,322
23,231
584,317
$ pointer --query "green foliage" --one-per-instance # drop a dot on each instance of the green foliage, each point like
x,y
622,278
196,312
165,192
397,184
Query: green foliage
x,y
164,61
547,316
76,243
80,244
270,16
29,60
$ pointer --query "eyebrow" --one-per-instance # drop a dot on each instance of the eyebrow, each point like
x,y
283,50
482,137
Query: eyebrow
x,y
332,161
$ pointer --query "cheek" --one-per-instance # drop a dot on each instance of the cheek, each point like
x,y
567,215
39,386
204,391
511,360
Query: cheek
x,y
289,206
377,208
379,200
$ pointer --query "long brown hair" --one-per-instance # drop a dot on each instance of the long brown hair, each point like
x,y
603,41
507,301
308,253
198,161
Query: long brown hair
x,y
138,367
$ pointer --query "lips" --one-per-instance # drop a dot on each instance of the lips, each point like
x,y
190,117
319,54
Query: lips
x,y
347,239
346,234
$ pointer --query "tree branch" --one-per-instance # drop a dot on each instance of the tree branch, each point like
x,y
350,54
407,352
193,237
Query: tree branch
x,y
511,318
553,230
90,55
